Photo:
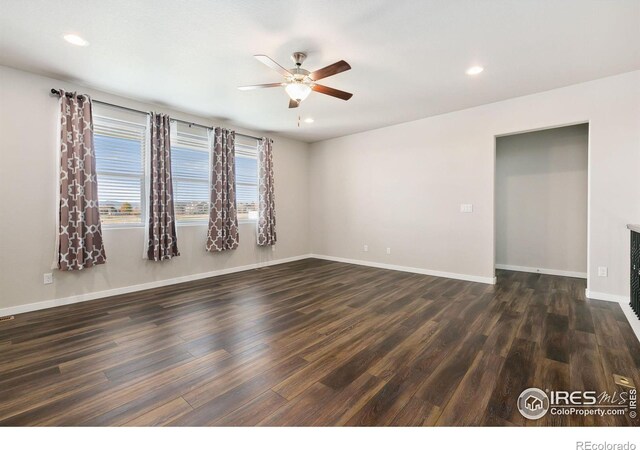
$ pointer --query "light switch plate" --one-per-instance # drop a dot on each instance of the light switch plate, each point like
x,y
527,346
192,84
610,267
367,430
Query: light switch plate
x,y
466,208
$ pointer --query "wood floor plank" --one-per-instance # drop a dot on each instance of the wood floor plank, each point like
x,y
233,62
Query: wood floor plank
x,y
516,375
220,405
500,337
383,407
556,339
580,317
417,413
16,407
586,371
253,412
405,352
358,364
552,375
438,388
530,327
468,404
302,410
606,328
345,403
162,415
306,377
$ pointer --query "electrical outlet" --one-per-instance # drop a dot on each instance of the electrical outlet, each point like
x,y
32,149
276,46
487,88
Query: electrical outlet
x,y
466,208
48,278
388,250
273,248
602,271
365,248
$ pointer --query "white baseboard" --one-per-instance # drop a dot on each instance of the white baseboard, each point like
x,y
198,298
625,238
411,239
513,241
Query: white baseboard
x,y
606,297
12,310
562,273
433,273
45,304
624,304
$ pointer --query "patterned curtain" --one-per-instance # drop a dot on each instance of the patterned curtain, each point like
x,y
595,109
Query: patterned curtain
x,y
266,207
223,216
161,242
79,238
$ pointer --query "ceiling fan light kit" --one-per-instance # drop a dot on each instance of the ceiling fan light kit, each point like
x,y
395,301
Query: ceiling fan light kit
x,y
298,91
298,82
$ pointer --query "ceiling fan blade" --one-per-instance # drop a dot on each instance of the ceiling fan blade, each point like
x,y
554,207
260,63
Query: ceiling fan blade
x,y
264,59
333,69
332,92
259,86
293,103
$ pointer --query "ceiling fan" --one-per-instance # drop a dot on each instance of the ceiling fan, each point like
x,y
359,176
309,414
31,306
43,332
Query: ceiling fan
x,y
299,82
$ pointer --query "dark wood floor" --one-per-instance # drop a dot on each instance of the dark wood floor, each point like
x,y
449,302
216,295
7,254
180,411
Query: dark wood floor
x,y
314,343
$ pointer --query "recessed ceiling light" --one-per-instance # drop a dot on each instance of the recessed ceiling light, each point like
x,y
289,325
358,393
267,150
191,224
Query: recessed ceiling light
x,y
75,40
308,120
475,70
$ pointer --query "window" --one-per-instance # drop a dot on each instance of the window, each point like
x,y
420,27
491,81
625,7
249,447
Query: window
x,y
190,172
119,150
247,180
190,167
120,159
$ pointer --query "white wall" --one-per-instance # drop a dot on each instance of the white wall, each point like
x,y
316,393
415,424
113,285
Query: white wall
x,y
541,200
28,116
402,186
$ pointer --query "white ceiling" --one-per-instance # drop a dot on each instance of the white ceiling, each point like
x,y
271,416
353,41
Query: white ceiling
x,y
408,57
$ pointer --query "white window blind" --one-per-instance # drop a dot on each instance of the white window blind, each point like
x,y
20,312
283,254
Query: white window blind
x,y
120,159
119,150
247,180
190,172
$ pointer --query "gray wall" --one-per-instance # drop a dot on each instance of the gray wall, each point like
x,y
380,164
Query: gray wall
x,y
28,117
401,186
541,199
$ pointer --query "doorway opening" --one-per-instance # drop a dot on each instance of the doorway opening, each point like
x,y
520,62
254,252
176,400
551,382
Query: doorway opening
x,y
541,198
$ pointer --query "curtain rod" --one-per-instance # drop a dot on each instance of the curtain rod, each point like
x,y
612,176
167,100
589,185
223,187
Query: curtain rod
x,y
57,92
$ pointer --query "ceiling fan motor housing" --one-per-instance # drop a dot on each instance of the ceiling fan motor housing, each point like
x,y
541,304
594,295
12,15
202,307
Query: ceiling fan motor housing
x,y
298,58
